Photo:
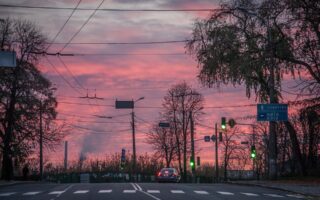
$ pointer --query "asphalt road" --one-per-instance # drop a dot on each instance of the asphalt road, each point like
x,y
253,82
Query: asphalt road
x,y
140,191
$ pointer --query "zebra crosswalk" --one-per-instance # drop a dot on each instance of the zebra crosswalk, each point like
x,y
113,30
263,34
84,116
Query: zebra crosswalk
x,y
152,191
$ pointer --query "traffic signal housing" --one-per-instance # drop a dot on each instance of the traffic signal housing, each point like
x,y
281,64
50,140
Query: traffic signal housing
x,y
253,153
223,123
192,164
123,159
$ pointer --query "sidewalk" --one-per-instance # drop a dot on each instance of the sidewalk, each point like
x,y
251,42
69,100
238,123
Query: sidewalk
x,y
306,188
11,183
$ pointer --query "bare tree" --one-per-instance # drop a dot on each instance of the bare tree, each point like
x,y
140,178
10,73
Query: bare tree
x,y
230,147
179,102
164,142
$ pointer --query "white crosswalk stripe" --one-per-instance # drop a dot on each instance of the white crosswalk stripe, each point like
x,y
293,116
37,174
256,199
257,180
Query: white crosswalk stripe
x,y
56,192
153,191
250,194
105,191
81,192
273,195
129,191
298,196
31,193
225,193
200,192
7,194
177,191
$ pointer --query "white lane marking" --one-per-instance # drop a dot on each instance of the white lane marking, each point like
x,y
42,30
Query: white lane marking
x,y
56,192
250,194
150,195
138,186
298,196
134,186
177,191
129,191
31,193
273,195
225,193
200,192
6,194
105,191
81,191
70,186
153,191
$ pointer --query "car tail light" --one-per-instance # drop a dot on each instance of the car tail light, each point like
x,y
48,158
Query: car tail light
x,y
159,174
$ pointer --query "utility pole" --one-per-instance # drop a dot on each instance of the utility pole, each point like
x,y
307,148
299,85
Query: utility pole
x,y
65,155
40,143
216,148
192,146
273,99
133,142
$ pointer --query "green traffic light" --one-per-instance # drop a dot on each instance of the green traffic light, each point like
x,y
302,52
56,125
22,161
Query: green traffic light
x,y
191,164
253,152
223,123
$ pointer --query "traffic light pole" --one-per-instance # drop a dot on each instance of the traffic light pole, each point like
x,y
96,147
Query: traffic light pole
x,y
133,143
216,149
193,168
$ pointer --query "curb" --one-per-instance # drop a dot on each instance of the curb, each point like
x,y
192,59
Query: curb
x,y
275,188
7,184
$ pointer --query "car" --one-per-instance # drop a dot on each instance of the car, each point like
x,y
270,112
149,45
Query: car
x,y
168,175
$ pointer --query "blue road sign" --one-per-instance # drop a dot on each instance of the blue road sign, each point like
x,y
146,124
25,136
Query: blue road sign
x,y
272,112
207,138
164,124
124,104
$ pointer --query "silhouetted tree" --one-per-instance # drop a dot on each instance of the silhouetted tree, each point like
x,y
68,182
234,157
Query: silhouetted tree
x,y
179,101
23,92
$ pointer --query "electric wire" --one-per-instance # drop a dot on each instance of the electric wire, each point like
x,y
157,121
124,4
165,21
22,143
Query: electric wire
x,y
70,72
125,43
83,25
61,76
65,23
111,9
113,54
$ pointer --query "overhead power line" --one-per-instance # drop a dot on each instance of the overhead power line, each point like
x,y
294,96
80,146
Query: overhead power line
x,y
210,107
83,25
111,9
70,72
65,23
125,43
111,54
61,76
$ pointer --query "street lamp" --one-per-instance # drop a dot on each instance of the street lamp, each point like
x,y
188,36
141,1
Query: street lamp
x,y
134,135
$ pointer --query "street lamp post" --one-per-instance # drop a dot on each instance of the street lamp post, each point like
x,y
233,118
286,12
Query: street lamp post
x,y
134,136
130,105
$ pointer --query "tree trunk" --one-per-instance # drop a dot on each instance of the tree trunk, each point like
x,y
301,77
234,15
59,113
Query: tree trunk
x,y
177,140
7,166
296,148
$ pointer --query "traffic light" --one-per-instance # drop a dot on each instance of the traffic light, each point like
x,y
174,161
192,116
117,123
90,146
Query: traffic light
x,y
192,165
253,153
223,123
123,159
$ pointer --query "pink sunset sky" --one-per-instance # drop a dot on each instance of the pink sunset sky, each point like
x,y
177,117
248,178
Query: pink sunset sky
x,y
125,77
